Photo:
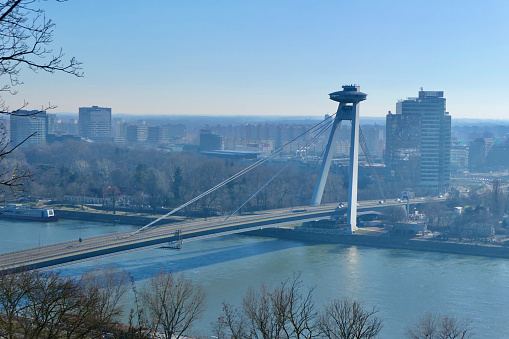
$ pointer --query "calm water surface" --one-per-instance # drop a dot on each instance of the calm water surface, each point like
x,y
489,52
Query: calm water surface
x,y
403,284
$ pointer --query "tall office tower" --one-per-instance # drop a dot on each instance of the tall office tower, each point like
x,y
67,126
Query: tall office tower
x,y
95,123
27,123
418,142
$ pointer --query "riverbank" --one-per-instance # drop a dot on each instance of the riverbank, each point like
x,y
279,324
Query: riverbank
x,y
100,216
414,244
381,241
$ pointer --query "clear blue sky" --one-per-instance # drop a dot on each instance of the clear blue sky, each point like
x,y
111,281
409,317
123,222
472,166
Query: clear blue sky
x,y
276,57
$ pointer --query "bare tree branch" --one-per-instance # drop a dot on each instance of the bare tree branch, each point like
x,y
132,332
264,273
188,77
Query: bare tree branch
x,y
434,326
25,42
10,9
25,39
348,319
173,303
13,177
284,312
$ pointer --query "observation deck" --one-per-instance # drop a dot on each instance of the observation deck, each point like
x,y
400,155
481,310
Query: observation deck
x,y
349,94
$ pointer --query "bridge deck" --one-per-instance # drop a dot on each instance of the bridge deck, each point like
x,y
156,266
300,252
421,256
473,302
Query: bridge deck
x,y
74,251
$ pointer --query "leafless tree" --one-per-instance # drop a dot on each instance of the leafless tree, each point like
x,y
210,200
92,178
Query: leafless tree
x,y
78,313
496,200
12,176
348,319
110,285
25,39
437,213
45,305
50,301
295,309
452,328
394,214
425,328
172,303
232,324
136,324
25,42
433,326
37,304
263,320
284,312
14,289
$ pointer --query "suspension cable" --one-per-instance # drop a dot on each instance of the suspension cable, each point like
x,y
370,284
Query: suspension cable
x,y
290,161
310,173
368,158
242,172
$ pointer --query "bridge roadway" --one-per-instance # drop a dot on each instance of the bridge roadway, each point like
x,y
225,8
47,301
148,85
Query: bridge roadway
x,y
106,245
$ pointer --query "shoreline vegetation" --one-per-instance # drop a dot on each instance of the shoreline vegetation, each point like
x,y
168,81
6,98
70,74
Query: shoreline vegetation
x,y
381,240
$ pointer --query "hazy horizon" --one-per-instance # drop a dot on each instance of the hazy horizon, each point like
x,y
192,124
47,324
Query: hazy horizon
x,y
252,118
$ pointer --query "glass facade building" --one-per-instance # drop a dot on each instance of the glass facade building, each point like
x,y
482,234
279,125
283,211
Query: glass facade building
x,y
95,123
27,123
418,145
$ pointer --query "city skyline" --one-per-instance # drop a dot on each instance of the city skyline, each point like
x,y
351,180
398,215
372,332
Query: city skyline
x,y
281,59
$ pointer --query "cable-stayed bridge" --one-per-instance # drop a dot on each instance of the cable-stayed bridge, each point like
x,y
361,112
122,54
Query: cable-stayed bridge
x,y
153,235
167,235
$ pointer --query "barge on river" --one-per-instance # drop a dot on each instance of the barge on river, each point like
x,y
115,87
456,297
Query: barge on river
x,y
18,211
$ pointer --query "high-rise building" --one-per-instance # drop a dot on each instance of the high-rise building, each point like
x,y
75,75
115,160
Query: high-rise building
x,y
95,123
137,132
418,141
27,123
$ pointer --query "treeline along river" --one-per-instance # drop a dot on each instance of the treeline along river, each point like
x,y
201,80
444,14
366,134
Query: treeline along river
x,y
403,284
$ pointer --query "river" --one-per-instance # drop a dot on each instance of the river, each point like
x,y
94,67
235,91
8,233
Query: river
x,y
403,284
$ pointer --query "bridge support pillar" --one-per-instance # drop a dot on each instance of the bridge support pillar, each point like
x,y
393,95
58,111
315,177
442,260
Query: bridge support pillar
x,y
353,171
